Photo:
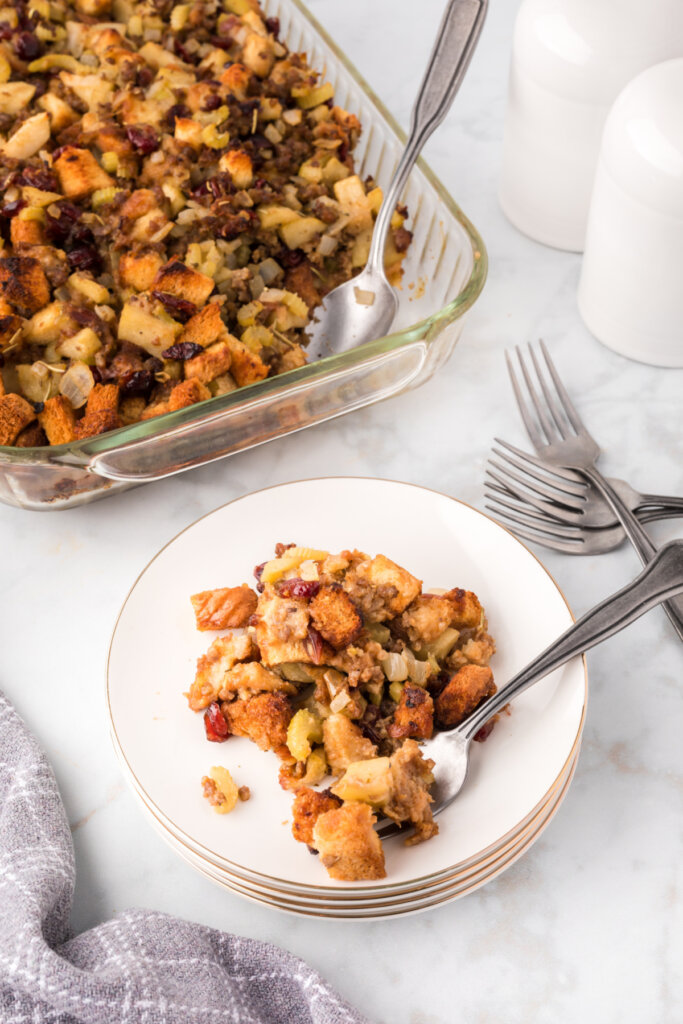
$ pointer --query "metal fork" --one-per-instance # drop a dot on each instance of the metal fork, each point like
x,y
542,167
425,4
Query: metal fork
x,y
560,437
561,493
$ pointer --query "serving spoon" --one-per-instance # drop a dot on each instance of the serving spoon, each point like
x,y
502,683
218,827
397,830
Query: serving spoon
x,y
661,579
364,308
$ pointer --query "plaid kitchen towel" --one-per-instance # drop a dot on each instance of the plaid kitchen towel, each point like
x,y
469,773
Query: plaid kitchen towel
x,y
140,968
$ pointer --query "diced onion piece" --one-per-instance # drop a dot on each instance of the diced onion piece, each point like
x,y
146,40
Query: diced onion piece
x,y
269,270
394,667
327,245
417,670
340,701
76,384
444,644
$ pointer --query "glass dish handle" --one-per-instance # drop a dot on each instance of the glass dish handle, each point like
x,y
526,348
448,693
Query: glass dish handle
x,y
282,410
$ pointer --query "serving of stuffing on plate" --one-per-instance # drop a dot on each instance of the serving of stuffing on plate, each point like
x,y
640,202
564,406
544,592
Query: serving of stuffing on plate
x,y
341,664
177,195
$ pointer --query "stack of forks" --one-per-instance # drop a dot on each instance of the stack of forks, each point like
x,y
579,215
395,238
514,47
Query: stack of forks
x,y
558,498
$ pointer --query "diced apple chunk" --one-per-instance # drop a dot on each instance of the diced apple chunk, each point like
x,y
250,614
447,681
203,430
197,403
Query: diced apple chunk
x,y
301,231
82,346
15,96
139,324
28,138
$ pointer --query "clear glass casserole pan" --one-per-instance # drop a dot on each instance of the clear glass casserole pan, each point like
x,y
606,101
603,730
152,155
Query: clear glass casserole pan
x,y
445,272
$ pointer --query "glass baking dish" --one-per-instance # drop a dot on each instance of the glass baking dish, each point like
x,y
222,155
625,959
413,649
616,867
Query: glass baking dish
x,y
444,274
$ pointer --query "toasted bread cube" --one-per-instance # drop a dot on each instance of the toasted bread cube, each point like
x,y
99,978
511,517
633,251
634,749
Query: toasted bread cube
x,y
246,366
15,414
258,54
94,423
61,114
24,284
79,173
409,800
58,420
138,270
463,693
281,629
467,612
187,393
10,328
142,324
188,131
204,327
225,608
209,364
382,572
262,719
93,90
251,677
15,97
414,716
426,618
212,668
29,137
26,232
348,845
32,436
178,279
235,80
139,202
131,409
238,165
307,807
112,139
93,8
345,743
335,616
103,397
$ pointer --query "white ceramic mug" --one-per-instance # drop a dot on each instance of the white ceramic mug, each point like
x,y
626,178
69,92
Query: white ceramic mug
x,y
570,60
631,286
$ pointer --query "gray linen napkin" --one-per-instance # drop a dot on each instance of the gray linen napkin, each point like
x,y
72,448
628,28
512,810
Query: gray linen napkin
x,y
140,968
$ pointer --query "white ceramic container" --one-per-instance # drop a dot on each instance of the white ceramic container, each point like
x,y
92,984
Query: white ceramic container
x,y
570,60
631,286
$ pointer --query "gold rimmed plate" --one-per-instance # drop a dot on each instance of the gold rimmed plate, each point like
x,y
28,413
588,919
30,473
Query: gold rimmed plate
x,y
445,542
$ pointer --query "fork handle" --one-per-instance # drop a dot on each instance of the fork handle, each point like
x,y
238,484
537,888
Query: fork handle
x,y
636,534
661,578
664,501
456,39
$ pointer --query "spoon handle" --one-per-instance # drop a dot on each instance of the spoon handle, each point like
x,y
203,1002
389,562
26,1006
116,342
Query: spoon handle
x,y
661,579
455,42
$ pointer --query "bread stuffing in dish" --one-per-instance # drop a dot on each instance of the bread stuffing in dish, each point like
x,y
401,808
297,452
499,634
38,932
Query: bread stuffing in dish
x,y
341,664
177,194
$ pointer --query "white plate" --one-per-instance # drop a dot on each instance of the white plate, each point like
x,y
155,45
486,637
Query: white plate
x,y
446,892
366,899
446,543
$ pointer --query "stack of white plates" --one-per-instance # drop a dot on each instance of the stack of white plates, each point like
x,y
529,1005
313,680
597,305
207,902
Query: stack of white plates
x,y
517,778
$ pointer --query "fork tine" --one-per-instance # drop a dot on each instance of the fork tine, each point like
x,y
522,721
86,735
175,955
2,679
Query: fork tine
x,y
568,475
527,490
551,400
570,412
551,486
565,546
548,509
519,513
547,424
531,428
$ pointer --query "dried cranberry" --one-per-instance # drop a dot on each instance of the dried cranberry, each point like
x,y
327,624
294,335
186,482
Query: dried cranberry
x,y
37,177
27,46
257,573
9,209
291,257
222,42
138,382
182,51
179,309
85,257
483,734
143,138
176,111
215,724
96,374
183,350
212,102
296,587
314,645
6,30
343,151
273,26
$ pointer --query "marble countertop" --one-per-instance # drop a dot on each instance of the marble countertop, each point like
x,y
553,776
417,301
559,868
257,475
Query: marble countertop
x,y
588,926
